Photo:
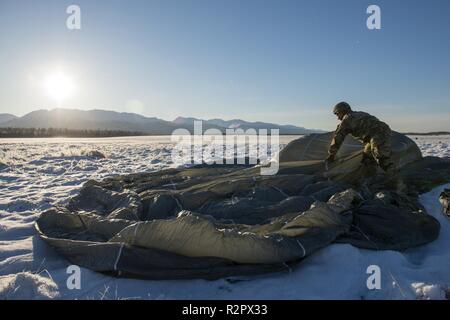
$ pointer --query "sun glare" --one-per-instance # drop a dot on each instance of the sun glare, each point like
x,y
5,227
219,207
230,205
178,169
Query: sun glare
x,y
59,86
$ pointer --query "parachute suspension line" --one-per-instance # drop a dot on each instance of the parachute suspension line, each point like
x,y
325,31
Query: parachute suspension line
x,y
178,203
366,236
303,248
356,154
118,256
396,283
202,206
287,267
281,191
226,220
313,137
82,222
135,231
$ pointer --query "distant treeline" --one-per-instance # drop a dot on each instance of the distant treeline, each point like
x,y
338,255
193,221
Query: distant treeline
x,y
437,133
69,133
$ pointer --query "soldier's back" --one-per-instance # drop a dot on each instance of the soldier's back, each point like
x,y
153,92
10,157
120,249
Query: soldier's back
x,y
364,125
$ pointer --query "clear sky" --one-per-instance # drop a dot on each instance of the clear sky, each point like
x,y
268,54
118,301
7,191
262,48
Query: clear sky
x,y
279,61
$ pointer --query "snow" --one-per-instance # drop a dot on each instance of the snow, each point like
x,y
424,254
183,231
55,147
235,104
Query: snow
x,y
437,146
429,292
26,286
39,173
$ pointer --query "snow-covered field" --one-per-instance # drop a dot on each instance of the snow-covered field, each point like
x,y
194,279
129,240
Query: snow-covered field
x,y
38,173
437,146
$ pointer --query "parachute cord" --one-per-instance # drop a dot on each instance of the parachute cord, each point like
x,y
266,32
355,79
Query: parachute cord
x,y
289,268
135,231
282,192
313,137
118,256
178,202
82,222
303,248
225,220
389,270
366,236
397,283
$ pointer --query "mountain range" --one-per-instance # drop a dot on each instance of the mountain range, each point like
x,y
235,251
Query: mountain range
x,y
5,117
124,121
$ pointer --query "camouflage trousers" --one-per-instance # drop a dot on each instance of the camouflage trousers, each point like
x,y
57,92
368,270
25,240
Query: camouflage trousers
x,y
377,151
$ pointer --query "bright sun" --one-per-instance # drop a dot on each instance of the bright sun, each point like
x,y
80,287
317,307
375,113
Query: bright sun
x,y
59,86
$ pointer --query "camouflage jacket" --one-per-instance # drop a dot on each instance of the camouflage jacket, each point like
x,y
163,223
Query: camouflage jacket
x,y
362,126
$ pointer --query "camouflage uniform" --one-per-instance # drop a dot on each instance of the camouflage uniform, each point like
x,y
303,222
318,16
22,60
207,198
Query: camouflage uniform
x,y
373,133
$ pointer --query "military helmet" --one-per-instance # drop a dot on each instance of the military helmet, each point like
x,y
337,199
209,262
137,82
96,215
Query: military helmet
x,y
342,107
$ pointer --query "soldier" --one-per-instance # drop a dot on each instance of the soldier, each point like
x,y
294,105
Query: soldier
x,y
373,133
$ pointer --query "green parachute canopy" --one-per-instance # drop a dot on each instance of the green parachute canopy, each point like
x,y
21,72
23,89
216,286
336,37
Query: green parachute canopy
x,y
212,221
